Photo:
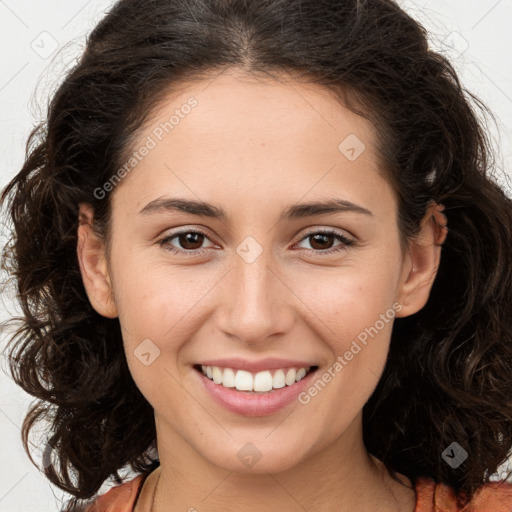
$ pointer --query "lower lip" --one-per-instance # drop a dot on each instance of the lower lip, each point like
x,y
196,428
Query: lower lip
x,y
254,404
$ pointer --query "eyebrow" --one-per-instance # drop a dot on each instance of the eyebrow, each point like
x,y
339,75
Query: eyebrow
x,y
298,211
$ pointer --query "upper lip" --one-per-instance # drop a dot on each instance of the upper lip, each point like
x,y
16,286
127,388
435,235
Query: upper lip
x,y
256,366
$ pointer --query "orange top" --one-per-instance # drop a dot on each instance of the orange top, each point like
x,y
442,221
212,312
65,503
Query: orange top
x,y
430,497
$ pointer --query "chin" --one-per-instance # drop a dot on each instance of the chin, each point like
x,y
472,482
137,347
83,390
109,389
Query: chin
x,y
255,458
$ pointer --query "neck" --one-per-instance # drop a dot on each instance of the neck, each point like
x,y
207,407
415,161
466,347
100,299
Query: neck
x,y
342,476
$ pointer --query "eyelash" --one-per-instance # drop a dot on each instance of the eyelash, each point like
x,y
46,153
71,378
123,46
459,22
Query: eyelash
x,y
345,242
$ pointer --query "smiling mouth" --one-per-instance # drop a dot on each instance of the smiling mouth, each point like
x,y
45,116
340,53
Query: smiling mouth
x,y
254,382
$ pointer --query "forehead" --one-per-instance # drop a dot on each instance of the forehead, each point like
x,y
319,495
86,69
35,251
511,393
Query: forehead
x,y
240,134
247,106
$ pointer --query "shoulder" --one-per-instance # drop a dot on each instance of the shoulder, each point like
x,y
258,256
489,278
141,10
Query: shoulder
x,y
118,499
438,497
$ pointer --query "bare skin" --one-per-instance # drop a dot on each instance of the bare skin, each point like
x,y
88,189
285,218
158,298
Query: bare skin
x,y
255,148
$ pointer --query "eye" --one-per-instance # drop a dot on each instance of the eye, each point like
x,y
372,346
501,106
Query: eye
x,y
321,240
190,240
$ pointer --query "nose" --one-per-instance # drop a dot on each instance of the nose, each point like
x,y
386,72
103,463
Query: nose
x,y
256,303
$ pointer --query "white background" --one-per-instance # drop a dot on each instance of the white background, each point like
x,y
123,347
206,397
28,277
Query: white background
x,y
474,33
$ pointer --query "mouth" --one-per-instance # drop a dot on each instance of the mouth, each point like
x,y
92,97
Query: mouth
x,y
257,383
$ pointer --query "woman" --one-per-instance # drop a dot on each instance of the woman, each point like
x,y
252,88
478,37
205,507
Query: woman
x,y
262,264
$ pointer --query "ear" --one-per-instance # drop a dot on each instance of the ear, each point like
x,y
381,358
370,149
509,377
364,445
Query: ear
x,y
93,265
422,261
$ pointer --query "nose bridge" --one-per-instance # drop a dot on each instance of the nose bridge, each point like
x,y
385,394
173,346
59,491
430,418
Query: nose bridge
x,y
255,302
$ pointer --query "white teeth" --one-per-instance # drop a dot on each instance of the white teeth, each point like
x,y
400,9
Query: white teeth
x,y
259,382
290,377
217,374
263,381
278,380
229,378
301,373
243,381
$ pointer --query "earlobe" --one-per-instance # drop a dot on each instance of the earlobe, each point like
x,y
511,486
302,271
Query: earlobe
x,y
93,265
422,261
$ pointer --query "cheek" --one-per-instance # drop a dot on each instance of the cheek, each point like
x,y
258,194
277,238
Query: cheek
x,y
347,300
152,296
354,311
158,314
164,305
355,315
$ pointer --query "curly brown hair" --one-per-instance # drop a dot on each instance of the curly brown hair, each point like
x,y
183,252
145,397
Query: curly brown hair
x,y
448,376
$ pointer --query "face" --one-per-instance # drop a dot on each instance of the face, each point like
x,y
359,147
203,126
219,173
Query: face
x,y
269,286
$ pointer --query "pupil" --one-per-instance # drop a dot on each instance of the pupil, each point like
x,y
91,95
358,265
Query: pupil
x,y
321,236
190,238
